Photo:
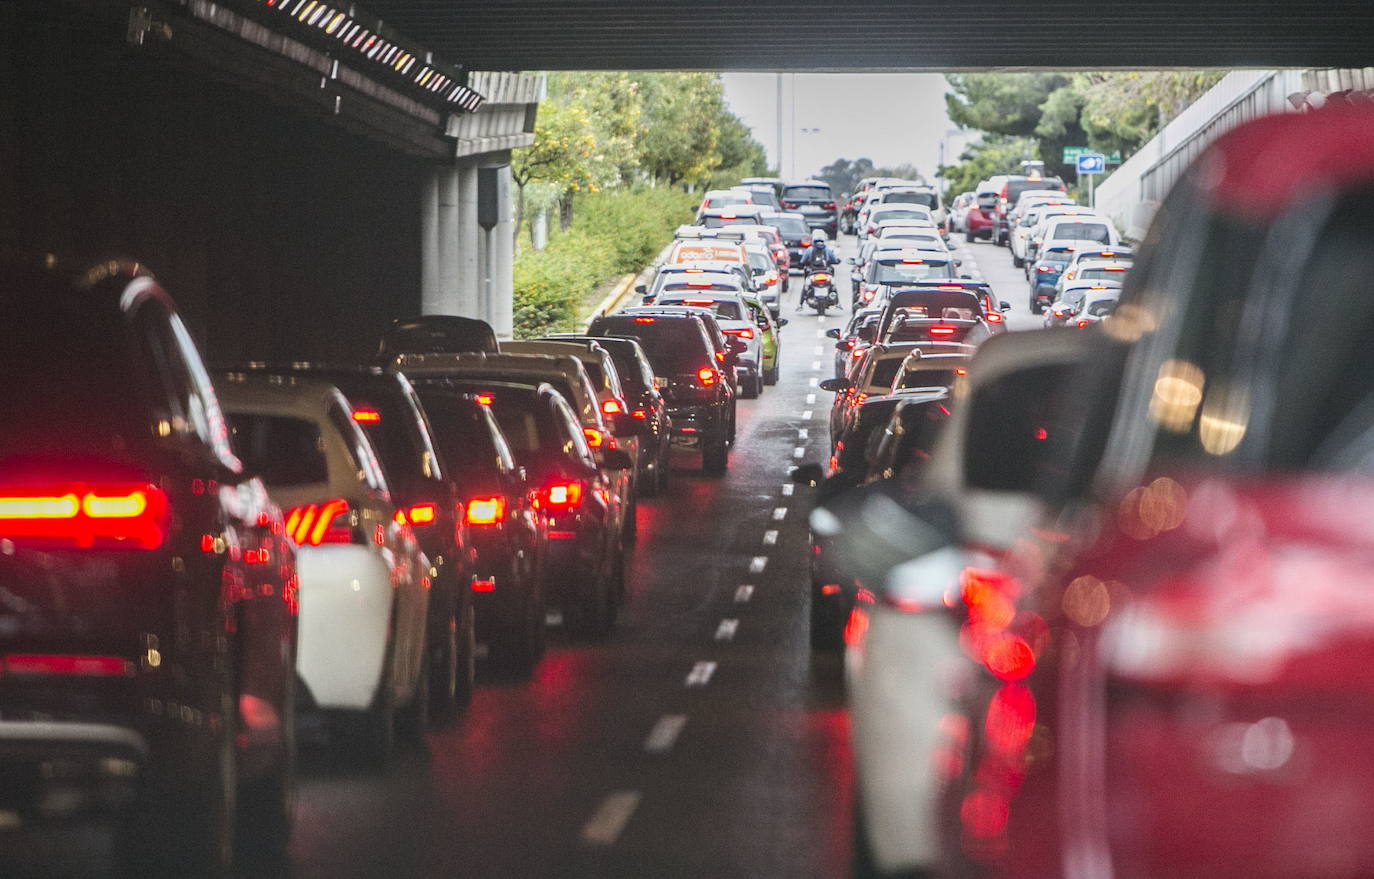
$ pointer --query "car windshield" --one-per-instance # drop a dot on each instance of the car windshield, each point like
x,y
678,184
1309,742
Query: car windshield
x,y
688,287
901,272
723,309
673,345
1080,231
284,451
949,304
788,225
792,193
1016,187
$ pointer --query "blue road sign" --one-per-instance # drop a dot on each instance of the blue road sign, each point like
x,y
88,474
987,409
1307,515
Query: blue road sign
x,y
1092,163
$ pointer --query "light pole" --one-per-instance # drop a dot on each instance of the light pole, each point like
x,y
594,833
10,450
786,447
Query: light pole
x,y
794,150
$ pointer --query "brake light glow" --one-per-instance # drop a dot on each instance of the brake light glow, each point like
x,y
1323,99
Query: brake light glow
x,y
488,585
485,510
564,495
484,399
1044,268
913,262
126,515
364,415
821,278
942,331
744,333
994,317
71,665
421,514
612,407
1082,324
644,320
960,371
1113,268
640,414
313,524
595,439
806,242
707,376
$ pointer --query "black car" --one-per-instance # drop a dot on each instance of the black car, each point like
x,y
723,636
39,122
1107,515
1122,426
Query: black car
x,y
854,338
505,536
934,315
147,587
815,202
386,407
645,404
878,454
688,371
435,334
793,230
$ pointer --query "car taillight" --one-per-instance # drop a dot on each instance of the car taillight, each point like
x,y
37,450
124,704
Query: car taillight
x,y
314,524
644,320
994,317
707,376
1083,323
132,516
744,333
416,514
806,242
850,343
366,415
829,206
612,407
942,331
563,495
1044,268
595,438
640,414
791,205
485,510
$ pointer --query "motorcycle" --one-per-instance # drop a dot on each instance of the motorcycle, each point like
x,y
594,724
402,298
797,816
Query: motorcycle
x,y
820,291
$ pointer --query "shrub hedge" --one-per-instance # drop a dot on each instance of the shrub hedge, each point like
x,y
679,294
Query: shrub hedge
x,y
613,232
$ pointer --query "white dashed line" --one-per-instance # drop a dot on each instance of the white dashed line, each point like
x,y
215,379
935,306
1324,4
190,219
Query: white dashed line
x,y
787,489
814,381
758,564
810,398
610,818
820,334
770,538
799,452
779,514
743,594
806,416
726,630
819,350
700,675
664,734
803,433
815,364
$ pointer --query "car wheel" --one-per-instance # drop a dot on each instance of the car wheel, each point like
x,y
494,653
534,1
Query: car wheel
x,y
969,237
520,644
750,386
715,453
665,470
770,375
451,665
591,615
632,523
649,482
1017,261
827,628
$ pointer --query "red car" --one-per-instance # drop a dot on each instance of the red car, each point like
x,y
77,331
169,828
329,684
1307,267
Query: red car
x,y
981,219
1174,668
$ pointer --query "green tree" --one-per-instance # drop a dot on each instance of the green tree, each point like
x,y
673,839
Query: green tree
x,y
1121,110
844,175
994,154
563,153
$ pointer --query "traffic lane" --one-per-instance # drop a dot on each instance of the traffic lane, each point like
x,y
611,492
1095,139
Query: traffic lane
x,y
555,776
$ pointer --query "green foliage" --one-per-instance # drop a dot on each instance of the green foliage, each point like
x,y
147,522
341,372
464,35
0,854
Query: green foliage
x,y
994,154
615,232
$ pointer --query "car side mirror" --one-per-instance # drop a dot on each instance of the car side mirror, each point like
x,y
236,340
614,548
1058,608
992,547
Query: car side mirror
x,y
641,289
836,385
958,262
966,277
738,346
1004,305
615,459
808,474
781,322
833,332
850,260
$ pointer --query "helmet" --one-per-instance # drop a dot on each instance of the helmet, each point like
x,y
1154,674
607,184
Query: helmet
x,y
819,236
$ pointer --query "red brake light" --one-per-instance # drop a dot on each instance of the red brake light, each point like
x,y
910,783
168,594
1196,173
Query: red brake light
x,y
744,333
806,242
421,514
123,515
644,320
612,407
1113,268
820,277
364,415
72,665
960,371
1043,268
640,414
942,331
485,399
994,317
313,524
1082,324
594,437
913,262
707,376
563,495
699,301
485,510
828,206
699,285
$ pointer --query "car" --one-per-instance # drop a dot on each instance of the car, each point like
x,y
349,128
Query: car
x,y
767,278
1122,255
644,403
1044,275
587,595
1076,231
935,313
958,209
1034,240
854,338
506,537
935,365
899,231
715,218
775,183
1097,306
143,565
795,233
761,194
733,316
899,267
697,276
701,404
888,437
364,581
1070,301
1023,220
723,198
879,212
927,196
707,250
770,337
980,219
389,413
815,202
1104,270
433,333
870,377
1009,188
772,239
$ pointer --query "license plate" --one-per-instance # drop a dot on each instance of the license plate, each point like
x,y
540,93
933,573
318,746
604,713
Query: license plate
x,y
810,208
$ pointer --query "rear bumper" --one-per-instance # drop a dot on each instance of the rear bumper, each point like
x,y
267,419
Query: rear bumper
x,y
53,770
690,422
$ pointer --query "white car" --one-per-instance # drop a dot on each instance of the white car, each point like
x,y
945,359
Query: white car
x,y
363,591
871,217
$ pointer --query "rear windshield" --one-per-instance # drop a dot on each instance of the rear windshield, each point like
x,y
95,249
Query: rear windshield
x,y
1074,231
1016,187
927,378
897,273
1101,307
697,285
906,234
925,198
760,262
943,304
464,440
1098,273
899,214
720,201
807,192
788,225
398,436
884,371
673,345
284,451
723,309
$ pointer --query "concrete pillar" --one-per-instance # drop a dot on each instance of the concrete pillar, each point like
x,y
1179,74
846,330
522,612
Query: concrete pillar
x,y
432,298
503,261
449,197
469,280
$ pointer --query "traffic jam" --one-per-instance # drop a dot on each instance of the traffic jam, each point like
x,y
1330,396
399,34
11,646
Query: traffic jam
x,y
1076,526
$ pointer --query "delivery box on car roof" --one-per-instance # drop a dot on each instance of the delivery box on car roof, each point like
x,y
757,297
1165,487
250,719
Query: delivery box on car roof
x,y
707,251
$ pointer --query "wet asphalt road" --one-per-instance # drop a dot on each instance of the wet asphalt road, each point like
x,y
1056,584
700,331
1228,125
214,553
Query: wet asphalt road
x,y
701,740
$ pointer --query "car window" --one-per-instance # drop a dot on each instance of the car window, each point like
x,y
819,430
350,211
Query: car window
x,y
364,456
926,378
1079,231
191,398
571,438
721,308
806,192
284,451
896,273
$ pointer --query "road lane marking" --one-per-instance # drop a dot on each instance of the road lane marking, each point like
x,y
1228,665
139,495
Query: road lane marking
x,y
818,350
700,674
814,381
815,364
779,514
788,488
820,334
743,594
610,818
664,734
770,538
803,433
758,564
806,415
810,399
799,452
726,630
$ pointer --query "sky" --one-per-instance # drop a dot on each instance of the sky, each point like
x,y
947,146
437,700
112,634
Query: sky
x,y
891,118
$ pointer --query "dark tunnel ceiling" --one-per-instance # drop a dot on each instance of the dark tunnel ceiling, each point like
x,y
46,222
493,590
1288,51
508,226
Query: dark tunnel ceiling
x,y
885,34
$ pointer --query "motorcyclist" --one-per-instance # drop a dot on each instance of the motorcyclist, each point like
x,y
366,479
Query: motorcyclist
x,y
819,258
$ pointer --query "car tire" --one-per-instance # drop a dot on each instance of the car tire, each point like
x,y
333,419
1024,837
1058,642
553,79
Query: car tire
x,y
750,386
770,375
1017,261
452,665
649,482
632,522
520,646
591,616
969,237
827,632
715,453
